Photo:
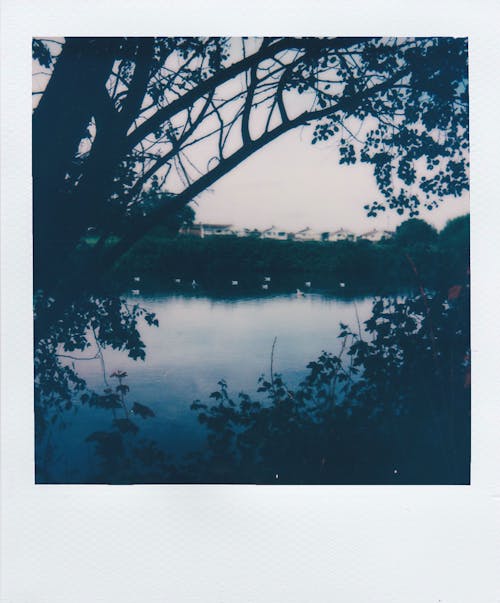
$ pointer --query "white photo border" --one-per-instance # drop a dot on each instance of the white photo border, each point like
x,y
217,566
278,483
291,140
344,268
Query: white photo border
x,y
246,543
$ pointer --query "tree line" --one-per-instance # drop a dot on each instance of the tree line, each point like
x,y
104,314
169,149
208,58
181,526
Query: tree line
x,y
438,259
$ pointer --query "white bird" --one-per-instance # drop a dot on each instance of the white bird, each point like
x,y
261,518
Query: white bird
x,y
177,280
194,284
265,286
137,279
234,283
342,284
300,293
135,291
267,279
307,283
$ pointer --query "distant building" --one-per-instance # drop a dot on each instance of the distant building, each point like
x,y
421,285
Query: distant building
x,y
306,234
340,235
376,235
274,233
219,230
252,232
239,232
194,230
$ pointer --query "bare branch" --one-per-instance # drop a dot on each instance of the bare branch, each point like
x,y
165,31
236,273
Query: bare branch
x,y
227,74
252,84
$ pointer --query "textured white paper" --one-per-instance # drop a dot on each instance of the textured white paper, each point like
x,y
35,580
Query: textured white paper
x,y
226,544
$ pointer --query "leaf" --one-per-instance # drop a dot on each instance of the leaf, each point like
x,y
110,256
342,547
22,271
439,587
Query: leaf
x,y
126,426
97,436
142,410
119,374
454,292
41,53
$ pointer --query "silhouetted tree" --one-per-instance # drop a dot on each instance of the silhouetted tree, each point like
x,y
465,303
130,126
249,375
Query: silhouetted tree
x,y
456,233
414,231
123,121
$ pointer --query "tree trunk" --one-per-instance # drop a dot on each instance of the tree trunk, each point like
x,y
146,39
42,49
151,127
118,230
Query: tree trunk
x,y
59,123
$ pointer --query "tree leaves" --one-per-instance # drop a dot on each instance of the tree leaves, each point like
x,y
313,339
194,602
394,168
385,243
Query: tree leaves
x,y
126,426
41,53
142,410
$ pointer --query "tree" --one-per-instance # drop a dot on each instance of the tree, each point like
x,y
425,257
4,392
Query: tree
x,y
456,233
129,130
414,231
454,241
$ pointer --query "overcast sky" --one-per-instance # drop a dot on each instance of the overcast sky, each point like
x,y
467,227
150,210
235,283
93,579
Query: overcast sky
x,y
293,184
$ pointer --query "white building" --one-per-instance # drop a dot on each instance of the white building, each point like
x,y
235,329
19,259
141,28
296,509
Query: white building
x,y
239,232
340,235
274,233
376,235
252,232
306,234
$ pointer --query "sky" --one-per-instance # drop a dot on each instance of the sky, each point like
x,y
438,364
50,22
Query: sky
x,y
292,184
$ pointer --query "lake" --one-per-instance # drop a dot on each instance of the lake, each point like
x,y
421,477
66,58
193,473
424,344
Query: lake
x,y
199,341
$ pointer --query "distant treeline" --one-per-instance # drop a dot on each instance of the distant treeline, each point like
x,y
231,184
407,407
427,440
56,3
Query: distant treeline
x,y
416,255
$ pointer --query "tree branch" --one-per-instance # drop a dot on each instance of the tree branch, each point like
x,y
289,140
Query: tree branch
x,y
229,73
245,130
138,86
140,228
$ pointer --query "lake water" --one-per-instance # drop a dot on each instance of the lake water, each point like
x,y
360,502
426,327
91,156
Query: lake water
x,y
199,341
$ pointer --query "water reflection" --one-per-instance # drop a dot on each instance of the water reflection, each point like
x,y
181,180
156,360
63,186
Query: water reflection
x,y
388,403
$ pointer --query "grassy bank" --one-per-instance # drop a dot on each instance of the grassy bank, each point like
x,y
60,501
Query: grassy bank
x,y
216,261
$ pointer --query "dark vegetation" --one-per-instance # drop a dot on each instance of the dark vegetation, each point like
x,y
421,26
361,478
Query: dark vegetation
x,y
363,265
392,407
120,146
122,141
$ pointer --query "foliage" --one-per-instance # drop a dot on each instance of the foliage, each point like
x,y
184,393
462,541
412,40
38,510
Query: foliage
x,y
456,236
392,407
363,265
415,231
88,325
130,130
41,53
124,457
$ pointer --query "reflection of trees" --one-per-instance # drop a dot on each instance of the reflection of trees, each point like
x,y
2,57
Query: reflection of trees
x,y
70,335
391,407
128,131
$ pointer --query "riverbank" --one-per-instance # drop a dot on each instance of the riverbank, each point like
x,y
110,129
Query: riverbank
x,y
223,263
